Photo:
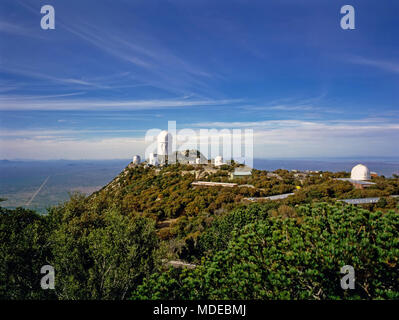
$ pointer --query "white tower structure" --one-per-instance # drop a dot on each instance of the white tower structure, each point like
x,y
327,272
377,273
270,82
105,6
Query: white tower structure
x,y
218,161
360,172
198,160
153,159
136,159
164,145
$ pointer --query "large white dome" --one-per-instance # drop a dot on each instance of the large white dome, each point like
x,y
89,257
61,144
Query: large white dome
x,y
360,172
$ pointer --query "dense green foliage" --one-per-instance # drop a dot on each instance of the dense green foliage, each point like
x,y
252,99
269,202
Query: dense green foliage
x,y
23,251
217,237
115,243
95,256
293,258
100,256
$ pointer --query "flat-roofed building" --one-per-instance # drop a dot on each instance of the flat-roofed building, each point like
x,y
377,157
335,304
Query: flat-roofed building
x,y
365,200
373,174
271,198
247,172
361,201
219,161
358,184
213,184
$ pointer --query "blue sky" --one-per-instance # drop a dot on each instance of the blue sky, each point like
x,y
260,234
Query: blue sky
x,y
111,70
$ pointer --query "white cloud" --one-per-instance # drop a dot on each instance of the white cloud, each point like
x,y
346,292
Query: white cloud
x,y
335,138
50,148
381,64
62,133
26,72
15,103
17,29
276,138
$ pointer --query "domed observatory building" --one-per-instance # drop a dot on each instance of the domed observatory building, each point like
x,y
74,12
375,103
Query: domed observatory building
x,y
360,172
164,146
360,175
153,159
136,159
219,161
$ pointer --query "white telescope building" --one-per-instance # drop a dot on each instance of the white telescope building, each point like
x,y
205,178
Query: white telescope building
x,y
360,175
153,159
360,172
164,145
219,161
136,159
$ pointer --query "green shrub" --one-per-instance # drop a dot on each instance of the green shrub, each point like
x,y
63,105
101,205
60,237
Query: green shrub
x,y
291,258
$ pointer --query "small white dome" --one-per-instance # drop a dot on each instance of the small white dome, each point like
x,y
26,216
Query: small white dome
x,y
136,159
218,160
153,159
360,172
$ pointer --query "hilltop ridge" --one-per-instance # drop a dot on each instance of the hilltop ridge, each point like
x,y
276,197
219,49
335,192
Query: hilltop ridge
x,y
167,193
151,233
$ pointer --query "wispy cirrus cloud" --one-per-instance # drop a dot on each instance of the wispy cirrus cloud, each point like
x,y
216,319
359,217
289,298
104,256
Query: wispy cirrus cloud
x,y
17,30
294,138
385,65
276,138
38,97
8,27
50,148
42,132
326,125
27,72
289,108
143,51
292,104
7,86
156,64
15,103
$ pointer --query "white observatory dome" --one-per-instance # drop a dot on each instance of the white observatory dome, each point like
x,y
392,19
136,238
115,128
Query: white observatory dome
x,y
164,143
153,159
360,172
218,160
136,159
